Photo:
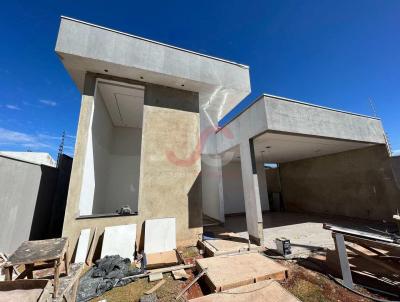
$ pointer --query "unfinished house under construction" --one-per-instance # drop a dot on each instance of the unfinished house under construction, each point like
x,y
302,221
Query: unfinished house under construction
x,y
148,140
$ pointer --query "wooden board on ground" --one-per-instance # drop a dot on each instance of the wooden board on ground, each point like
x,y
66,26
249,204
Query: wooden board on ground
x,y
157,260
264,291
226,272
25,291
229,245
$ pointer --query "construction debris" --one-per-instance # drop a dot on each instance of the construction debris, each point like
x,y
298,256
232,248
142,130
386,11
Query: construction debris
x,y
155,277
106,274
202,273
266,291
162,259
370,258
226,243
26,291
180,274
155,287
32,254
149,298
226,272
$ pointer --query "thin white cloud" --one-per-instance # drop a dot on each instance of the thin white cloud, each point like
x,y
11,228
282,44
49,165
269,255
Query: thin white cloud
x,y
12,107
9,136
48,103
396,152
46,136
15,138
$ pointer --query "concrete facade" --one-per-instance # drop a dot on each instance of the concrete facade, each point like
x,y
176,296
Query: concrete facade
x,y
163,153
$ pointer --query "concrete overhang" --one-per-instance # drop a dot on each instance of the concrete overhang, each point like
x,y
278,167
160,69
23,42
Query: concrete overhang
x,y
84,47
287,130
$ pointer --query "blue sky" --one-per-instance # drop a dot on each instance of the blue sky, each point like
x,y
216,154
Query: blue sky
x,y
332,53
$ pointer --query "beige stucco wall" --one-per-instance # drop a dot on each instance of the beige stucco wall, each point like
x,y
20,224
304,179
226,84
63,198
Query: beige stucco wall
x,y
358,183
169,174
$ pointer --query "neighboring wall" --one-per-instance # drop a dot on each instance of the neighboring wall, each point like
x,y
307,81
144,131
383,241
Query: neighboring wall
x,y
358,183
26,201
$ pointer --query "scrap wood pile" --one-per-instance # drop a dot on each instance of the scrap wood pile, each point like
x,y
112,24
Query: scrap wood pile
x,y
368,258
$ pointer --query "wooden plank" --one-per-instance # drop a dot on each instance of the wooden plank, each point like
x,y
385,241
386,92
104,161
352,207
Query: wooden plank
x,y
393,248
69,283
89,259
24,290
157,260
374,260
265,291
155,287
226,272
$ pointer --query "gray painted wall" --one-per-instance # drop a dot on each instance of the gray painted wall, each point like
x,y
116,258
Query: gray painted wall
x,y
19,187
26,201
358,183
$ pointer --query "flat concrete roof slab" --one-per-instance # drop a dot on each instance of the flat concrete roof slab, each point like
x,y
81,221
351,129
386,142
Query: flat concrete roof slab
x,y
289,116
287,130
85,47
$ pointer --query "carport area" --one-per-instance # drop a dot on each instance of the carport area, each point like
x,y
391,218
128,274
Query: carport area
x,y
295,166
304,230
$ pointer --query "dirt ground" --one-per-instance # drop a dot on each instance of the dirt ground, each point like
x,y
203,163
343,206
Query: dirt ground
x,y
305,284
311,286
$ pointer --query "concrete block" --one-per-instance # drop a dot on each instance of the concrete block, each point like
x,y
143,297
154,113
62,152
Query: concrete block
x,y
119,240
160,235
155,277
83,245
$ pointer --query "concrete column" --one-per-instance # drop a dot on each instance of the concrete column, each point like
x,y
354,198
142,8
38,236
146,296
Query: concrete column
x,y
251,192
262,185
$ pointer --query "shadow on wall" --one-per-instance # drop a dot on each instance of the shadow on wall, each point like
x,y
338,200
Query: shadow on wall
x,y
51,200
395,164
195,205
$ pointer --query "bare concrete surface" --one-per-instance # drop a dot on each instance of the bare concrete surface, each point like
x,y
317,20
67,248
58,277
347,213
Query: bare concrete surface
x,y
304,231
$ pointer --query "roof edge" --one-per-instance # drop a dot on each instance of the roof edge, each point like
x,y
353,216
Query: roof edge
x,y
314,105
155,42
